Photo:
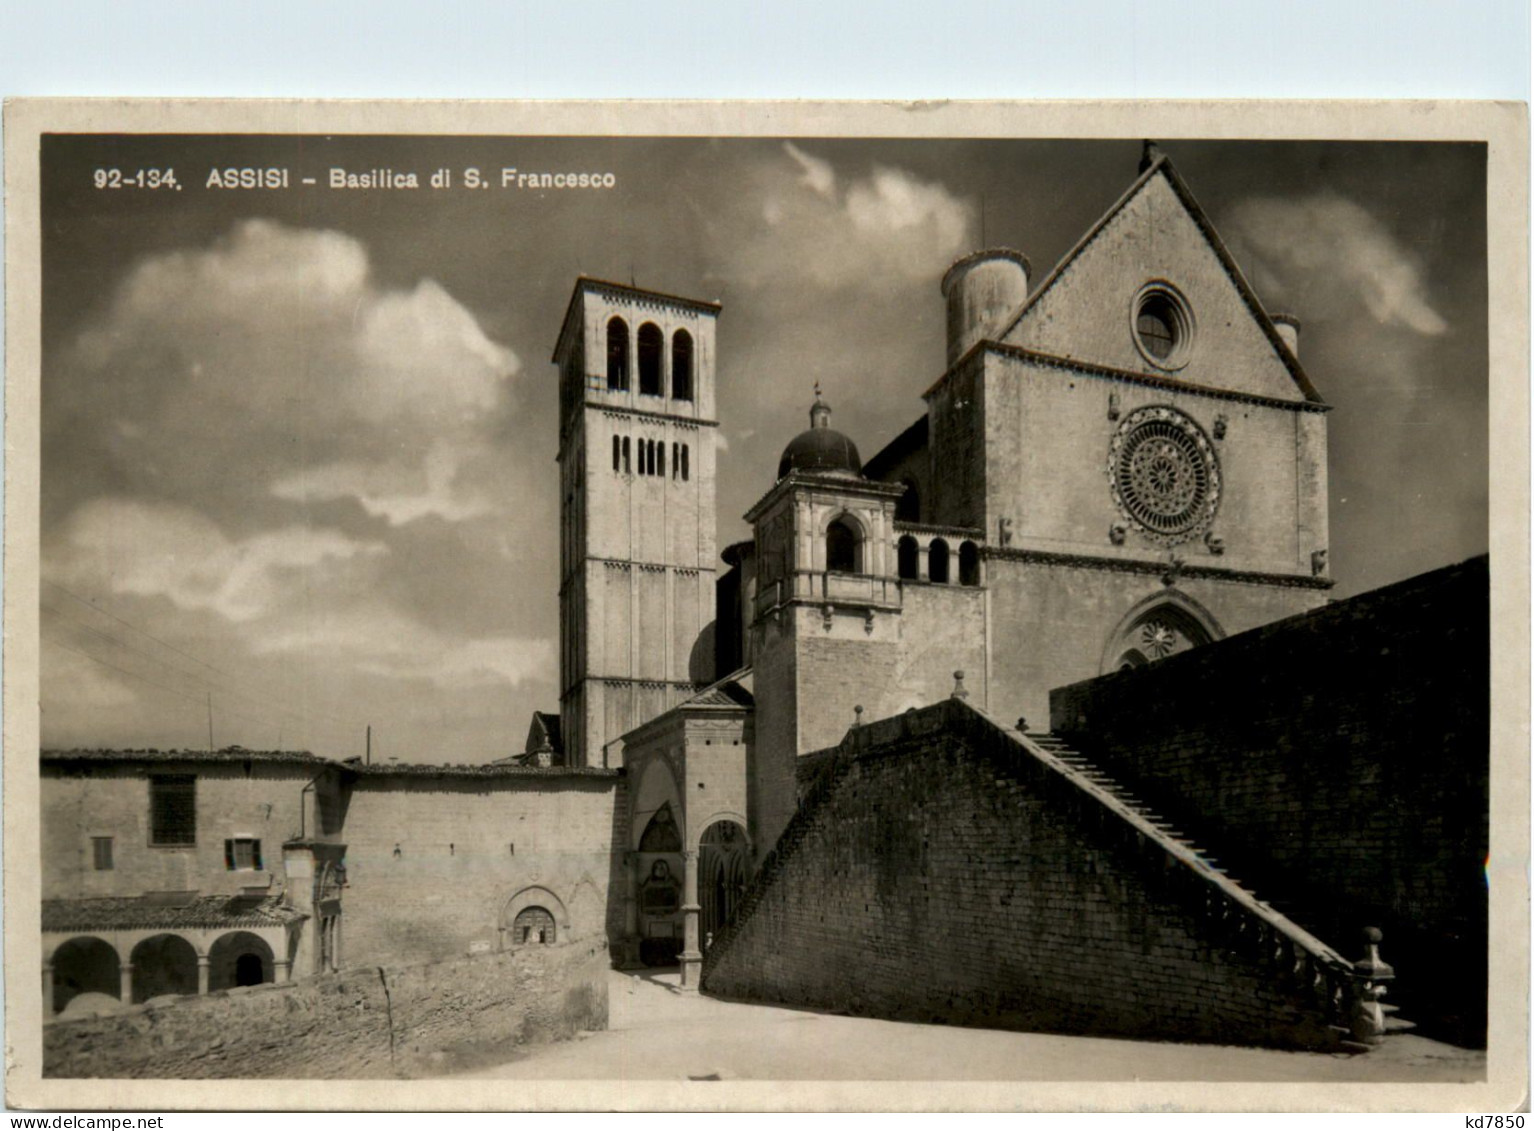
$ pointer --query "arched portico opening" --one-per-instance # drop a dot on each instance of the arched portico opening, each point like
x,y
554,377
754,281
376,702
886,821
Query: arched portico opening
x,y
240,959
84,965
724,857
163,964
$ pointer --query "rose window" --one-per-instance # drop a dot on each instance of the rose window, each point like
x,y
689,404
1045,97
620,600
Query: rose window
x,y
1163,473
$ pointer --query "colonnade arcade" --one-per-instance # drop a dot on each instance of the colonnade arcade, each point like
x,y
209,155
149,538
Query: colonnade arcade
x,y
136,965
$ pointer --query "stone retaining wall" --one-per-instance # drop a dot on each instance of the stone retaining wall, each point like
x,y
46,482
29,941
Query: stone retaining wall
x,y
937,871
363,1022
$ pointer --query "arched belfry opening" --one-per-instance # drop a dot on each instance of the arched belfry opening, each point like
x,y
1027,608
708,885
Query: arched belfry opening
x,y
681,366
617,355
843,547
652,344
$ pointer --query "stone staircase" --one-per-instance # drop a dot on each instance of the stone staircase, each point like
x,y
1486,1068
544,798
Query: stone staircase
x,y
1334,999
1275,908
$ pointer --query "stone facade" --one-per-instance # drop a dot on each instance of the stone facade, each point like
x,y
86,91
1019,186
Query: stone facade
x,y
341,863
637,555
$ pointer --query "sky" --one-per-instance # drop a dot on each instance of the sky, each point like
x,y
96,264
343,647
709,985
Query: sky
x,y
298,444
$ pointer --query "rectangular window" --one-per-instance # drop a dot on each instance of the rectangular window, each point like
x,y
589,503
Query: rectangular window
x,y
173,809
242,854
684,461
101,853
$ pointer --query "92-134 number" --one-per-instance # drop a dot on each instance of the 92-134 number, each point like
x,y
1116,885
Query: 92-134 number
x,y
138,178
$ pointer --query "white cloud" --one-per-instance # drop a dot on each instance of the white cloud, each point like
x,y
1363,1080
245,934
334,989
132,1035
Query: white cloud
x,y
391,491
1343,255
373,638
142,549
832,231
279,340
818,177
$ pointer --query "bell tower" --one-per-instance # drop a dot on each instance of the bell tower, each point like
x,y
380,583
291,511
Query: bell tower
x,y
637,557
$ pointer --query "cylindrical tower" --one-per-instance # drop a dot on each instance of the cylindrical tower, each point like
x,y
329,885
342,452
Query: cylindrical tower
x,y
1288,327
983,290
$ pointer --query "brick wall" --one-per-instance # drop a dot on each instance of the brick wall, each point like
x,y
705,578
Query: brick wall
x,y
1337,761
363,1022
937,872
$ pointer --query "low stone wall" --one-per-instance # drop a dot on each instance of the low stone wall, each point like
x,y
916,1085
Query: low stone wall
x,y
365,1022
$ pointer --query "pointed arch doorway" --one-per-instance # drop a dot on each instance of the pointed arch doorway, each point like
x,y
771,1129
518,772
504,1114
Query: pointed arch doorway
x,y
1160,626
724,860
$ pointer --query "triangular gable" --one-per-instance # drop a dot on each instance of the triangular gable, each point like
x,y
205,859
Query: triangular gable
x,y
1157,231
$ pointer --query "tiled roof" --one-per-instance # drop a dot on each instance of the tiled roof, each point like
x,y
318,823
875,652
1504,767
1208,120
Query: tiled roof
x,y
727,694
136,912
484,770
227,754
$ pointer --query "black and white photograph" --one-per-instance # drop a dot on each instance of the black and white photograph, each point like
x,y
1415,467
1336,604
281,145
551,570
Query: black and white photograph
x,y
710,607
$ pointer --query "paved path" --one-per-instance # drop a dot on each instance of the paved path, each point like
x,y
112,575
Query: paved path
x,y
657,1032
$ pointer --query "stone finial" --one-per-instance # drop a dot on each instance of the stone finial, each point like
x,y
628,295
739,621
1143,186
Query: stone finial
x,y
1318,562
857,715
1022,725
958,686
1370,973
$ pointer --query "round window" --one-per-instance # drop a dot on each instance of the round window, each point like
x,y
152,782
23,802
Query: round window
x,y
1163,325
1163,473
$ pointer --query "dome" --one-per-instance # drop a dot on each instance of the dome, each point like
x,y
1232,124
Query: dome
x,y
820,450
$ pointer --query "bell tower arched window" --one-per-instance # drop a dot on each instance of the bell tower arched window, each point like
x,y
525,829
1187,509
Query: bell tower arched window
x,y
618,354
908,506
907,556
681,366
841,547
651,344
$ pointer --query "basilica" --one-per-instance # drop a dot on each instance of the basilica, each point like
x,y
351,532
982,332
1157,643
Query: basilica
x,y
1039,716
1124,459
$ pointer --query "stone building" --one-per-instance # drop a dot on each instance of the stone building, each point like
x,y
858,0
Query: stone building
x,y
190,872
1122,460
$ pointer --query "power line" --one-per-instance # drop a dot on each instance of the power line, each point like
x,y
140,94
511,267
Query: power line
x,y
104,612
264,700
256,700
152,683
